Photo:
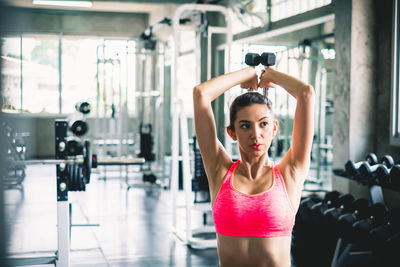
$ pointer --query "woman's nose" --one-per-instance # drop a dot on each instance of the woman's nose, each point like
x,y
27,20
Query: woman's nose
x,y
256,133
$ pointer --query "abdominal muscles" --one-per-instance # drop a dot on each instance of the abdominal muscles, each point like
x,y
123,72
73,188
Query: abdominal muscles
x,y
254,251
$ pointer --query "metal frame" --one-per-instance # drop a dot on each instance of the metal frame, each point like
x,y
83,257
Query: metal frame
x,y
177,28
61,259
179,126
179,122
61,129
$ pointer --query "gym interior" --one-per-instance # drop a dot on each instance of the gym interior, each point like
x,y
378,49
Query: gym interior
x,y
99,163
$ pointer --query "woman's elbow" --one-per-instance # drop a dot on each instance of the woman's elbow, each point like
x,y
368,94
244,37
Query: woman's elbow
x,y
308,92
198,93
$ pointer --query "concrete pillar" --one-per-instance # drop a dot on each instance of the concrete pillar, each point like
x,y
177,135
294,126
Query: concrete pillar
x,y
384,11
354,91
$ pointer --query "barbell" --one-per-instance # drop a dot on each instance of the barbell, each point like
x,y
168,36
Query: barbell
x,y
79,160
79,167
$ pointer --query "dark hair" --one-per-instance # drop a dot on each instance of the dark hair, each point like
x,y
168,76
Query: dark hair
x,y
244,100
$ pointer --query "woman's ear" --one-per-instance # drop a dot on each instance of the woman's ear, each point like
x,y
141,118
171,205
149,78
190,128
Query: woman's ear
x,y
231,133
276,128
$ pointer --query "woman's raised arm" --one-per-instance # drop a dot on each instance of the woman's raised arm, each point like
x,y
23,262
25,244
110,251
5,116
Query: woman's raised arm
x,y
298,156
211,149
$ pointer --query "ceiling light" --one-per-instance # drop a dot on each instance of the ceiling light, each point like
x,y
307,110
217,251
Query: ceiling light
x,y
71,3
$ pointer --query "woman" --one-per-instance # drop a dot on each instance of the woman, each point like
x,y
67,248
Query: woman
x,y
254,200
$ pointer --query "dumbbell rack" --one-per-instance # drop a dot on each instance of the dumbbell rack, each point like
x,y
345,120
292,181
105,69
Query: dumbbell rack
x,y
344,251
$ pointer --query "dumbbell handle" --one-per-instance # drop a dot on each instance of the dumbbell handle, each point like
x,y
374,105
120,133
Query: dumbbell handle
x,y
373,168
267,59
374,172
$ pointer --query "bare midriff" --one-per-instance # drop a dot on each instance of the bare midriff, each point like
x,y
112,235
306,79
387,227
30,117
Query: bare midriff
x,y
254,251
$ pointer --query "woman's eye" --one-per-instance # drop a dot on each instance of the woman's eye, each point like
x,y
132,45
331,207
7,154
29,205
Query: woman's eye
x,y
244,126
264,123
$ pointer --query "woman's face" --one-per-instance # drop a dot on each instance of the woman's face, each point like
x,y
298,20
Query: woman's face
x,y
254,129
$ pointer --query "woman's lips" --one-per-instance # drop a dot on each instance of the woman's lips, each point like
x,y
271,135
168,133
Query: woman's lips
x,y
256,146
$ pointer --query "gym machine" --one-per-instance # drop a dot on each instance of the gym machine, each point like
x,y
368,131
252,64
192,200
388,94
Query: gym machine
x,y
16,150
149,61
111,137
193,237
74,163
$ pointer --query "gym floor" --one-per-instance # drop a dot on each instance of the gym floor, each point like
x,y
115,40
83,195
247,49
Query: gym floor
x,y
134,228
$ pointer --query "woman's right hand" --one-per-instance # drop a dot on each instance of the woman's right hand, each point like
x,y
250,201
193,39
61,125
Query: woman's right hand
x,y
251,83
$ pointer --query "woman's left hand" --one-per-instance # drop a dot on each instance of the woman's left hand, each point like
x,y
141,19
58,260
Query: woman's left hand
x,y
265,81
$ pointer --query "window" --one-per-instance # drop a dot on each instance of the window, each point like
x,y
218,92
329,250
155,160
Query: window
x,y
395,122
11,73
281,9
79,61
30,74
40,75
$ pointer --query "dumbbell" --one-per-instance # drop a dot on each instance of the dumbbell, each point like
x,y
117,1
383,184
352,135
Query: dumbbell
x,y
317,210
388,161
359,210
395,177
378,173
266,59
83,107
378,217
352,169
382,233
385,239
331,215
309,204
305,207
309,235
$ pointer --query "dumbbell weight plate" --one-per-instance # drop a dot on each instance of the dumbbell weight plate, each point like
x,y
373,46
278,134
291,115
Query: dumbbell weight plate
x,y
268,59
81,180
252,59
388,161
87,161
83,107
371,158
395,177
78,127
74,146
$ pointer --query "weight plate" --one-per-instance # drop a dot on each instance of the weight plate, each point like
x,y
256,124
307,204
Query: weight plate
x,y
87,161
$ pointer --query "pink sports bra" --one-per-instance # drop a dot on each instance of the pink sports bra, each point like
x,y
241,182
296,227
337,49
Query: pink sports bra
x,y
267,214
